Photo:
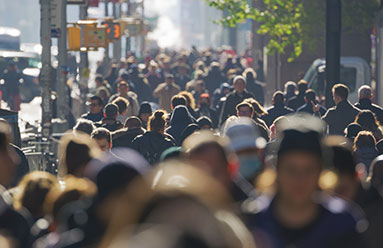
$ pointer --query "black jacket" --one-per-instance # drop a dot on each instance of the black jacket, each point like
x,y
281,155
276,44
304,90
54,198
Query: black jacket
x,y
275,112
338,117
93,117
151,145
124,137
367,104
110,124
308,108
208,112
296,102
232,100
179,120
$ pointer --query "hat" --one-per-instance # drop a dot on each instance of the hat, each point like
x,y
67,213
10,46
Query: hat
x,y
243,134
145,108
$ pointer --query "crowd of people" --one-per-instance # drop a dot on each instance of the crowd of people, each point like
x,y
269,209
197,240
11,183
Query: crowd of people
x,y
181,151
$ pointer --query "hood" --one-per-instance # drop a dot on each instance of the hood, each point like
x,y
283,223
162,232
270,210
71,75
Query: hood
x,y
181,116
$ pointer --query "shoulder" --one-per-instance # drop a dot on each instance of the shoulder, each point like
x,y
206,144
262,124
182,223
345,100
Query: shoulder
x,y
132,94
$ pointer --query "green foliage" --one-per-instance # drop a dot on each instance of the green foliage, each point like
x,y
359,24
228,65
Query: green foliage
x,y
295,23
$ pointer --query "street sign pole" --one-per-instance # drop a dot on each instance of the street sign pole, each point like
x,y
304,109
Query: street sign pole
x,y
106,2
83,67
333,36
62,71
116,43
46,70
128,43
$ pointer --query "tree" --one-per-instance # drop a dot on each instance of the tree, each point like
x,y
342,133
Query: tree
x,y
295,23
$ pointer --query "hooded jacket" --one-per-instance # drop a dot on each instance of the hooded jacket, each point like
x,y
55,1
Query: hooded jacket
x,y
179,120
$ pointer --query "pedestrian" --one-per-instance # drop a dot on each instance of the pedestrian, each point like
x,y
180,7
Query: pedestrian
x,y
204,109
214,78
311,105
84,126
365,97
190,103
368,122
245,109
110,121
165,91
298,215
297,101
95,113
144,113
124,91
103,138
238,95
154,142
278,109
123,105
338,117
125,136
12,80
179,120
290,88
254,86
365,149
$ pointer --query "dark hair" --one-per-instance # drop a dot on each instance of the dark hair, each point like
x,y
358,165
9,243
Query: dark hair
x,y
310,95
101,133
123,82
111,110
278,98
367,120
178,100
203,121
99,77
302,86
85,126
341,90
133,122
122,104
364,139
244,104
98,99
256,106
76,156
157,121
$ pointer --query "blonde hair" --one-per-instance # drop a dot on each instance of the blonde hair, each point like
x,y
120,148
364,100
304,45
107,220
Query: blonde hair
x,y
157,121
190,101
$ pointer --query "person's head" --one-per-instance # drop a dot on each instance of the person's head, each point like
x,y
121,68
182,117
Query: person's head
x,y
96,104
302,87
344,165
340,93
248,145
84,126
375,177
364,139
123,88
157,122
190,101
75,152
111,111
367,120
365,92
249,74
210,154
204,122
310,96
204,100
245,109
103,138
32,191
133,122
299,165
99,80
122,104
278,98
178,100
352,131
199,86
258,109
275,127
239,84
145,112
169,78
290,87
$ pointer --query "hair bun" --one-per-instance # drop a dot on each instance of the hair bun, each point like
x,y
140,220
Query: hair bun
x,y
158,114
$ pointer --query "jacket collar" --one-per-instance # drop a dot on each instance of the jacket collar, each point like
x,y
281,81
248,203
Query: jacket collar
x,y
365,102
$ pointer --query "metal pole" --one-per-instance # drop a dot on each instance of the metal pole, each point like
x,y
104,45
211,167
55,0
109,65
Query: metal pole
x,y
333,37
128,13
117,43
106,2
379,61
83,67
62,68
46,70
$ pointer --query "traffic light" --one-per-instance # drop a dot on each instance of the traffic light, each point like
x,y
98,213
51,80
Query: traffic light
x,y
113,30
74,38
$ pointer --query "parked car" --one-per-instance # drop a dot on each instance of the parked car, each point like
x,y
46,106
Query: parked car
x,y
354,72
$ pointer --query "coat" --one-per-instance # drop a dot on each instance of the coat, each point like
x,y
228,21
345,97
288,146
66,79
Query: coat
x,y
232,100
124,137
179,120
151,145
338,117
275,112
164,92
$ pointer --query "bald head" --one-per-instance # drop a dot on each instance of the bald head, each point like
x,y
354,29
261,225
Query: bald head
x,y
365,92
